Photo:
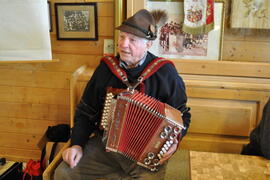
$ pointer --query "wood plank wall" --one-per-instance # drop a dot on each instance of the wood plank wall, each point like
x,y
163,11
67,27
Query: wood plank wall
x,y
245,45
34,96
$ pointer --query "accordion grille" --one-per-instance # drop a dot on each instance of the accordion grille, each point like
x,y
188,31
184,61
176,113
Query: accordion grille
x,y
141,121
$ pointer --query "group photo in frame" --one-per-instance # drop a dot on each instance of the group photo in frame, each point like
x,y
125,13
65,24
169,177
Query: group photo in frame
x,y
76,21
172,42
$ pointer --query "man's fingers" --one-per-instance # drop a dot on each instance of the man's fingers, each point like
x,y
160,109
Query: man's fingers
x,y
69,156
77,159
170,152
65,156
71,160
72,155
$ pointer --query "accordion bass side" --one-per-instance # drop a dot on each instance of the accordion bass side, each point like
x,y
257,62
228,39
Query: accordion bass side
x,y
140,127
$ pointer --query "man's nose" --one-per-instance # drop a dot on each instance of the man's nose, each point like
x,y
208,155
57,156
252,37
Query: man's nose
x,y
124,42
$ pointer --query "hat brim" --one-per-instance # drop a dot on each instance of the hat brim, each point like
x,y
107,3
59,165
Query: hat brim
x,y
131,30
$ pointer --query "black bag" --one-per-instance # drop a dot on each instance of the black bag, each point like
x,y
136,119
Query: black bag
x,y
58,133
259,144
55,134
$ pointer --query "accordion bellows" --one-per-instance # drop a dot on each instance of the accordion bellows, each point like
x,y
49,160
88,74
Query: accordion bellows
x,y
140,127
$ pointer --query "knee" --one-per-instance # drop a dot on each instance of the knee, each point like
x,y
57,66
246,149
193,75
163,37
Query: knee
x,y
62,172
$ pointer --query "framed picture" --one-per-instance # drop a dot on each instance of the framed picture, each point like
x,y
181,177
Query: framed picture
x,y
49,15
76,21
172,42
250,14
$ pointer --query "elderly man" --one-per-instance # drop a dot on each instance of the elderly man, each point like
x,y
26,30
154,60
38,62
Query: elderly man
x,y
87,158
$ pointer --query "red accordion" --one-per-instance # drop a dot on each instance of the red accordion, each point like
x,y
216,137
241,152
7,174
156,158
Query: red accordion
x,y
140,127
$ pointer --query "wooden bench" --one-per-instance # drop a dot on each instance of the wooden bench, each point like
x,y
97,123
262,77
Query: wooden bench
x,y
226,100
78,81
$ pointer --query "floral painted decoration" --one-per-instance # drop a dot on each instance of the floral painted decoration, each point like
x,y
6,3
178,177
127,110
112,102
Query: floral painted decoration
x,y
199,16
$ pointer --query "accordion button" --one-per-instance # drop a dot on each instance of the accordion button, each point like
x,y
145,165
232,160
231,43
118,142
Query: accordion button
x,y
169,143
168,129
147,161
163,135
176,130
166,146
156,162
150,155
164,150
154,169
173,136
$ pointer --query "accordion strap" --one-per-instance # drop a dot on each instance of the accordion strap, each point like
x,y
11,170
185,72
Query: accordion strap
x,y
113,63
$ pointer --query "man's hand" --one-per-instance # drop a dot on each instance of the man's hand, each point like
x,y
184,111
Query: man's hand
x,y
169,153
72,155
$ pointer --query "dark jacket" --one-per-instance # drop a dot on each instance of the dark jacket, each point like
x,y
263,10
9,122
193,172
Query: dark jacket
x,y
259,144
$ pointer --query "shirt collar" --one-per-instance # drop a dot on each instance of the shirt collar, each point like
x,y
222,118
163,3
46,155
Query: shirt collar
x,y
123,64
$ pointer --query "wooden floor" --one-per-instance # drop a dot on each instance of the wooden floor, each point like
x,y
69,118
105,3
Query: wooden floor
x,y
198,165
221,166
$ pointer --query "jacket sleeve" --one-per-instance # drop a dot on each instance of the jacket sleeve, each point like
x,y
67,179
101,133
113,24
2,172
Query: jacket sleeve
x,y
265,131
88,111
179,99
175,96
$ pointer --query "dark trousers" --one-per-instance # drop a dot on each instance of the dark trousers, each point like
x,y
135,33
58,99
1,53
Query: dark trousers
x,y
96,163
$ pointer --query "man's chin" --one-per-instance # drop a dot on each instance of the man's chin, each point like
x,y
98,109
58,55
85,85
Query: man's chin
x,y
125,57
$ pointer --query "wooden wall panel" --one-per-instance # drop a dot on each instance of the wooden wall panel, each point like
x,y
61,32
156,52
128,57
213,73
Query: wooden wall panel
x,y
246,51
31,111
33,78
26,126
70,62
223,117
24,140
19,153
213,143
209,67
106,9
34,95
67,64
77,47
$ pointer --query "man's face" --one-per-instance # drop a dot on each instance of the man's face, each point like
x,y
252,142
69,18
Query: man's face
x,y
132,48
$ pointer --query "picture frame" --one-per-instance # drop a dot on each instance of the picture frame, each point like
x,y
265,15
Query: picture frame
x,y
50,16
119,16
206,47
76,21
